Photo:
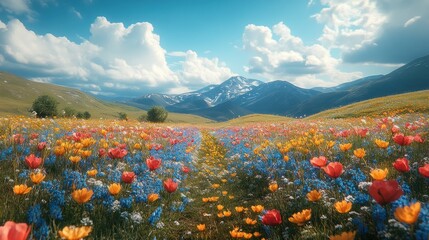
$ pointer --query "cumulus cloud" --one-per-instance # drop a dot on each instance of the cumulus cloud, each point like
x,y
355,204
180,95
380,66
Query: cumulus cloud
x,y
198,71
16,6
382,31
128,59
278,54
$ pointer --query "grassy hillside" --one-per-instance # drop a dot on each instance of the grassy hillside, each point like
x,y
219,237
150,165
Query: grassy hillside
x,y
255,118
17,95
390,105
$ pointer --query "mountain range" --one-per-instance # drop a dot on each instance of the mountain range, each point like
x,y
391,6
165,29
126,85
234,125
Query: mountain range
x,y
239,96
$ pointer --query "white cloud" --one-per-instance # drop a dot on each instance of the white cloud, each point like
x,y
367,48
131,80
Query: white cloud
x,y
278,54
16,6
349,25
125,57
198,71
412,21
75,12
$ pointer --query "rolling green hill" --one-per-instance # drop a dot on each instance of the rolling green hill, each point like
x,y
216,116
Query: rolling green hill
x,y
17,95
390,105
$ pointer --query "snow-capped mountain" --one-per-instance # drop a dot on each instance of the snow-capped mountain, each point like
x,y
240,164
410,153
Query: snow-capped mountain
x,y
208,96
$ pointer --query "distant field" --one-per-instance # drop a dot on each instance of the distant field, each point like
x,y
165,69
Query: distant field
x,y
17,96
390,105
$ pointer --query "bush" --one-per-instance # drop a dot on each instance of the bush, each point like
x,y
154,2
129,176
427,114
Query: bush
x,y
157,114
69,112
123,116
142,118
45,106
79,115
86,115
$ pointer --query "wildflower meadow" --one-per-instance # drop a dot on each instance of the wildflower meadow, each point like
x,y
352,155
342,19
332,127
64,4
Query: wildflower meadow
x,y
363,178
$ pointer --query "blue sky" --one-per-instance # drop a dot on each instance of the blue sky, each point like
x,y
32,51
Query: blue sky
x,y
118,48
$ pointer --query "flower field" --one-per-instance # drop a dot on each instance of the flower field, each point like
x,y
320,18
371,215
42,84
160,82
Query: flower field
x,y
303,179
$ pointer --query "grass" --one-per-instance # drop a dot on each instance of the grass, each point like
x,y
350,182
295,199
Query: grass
x,y
384,106
17,96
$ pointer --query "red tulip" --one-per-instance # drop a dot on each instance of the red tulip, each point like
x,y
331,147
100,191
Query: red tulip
x,y
361,132
170,186
32,161
14,231
186,169
272,218
117,153
418,138
401,164
102,152
153,163
402,140
128,177
395,129
41,146
385,192
424,171
319,161
334,169
18,139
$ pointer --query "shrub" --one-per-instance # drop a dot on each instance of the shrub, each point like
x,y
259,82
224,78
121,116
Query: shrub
x,y
123,116
86,115
157,114
69,112
45,106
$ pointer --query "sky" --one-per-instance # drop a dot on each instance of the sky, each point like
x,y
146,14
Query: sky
x,y
130,48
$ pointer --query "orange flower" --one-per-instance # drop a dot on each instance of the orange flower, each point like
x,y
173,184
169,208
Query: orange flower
x,y
359,153
250,221
92,172
381,143
216,185
75,159
247,235
21,189
14,231
227,213
201,227
224,193
74,233
152,197
345,147
343,236
114,188
379,174
220,207
343,206
37,178
301,217
314,196
408,214
273,187
82,195
239,209
257,234
257,208
319,161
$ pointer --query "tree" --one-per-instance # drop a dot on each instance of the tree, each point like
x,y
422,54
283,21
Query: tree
x,y
157,114
86,115
69,112
45,106
123,116
79,115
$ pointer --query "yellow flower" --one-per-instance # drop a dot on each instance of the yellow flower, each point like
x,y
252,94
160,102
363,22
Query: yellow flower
x,y
75,159
257,208
343,206
213,199
82,195
273,187
379,174
250,221
215,185
92,172
345,147
330,144
224,193
137,146
37,178
301,217
21,189
359,153
152,197
343,236
220,207
114,188
201,227
408,214
227,213
381,143
239,209
286,158
85,153
75,233
224,180
314,196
